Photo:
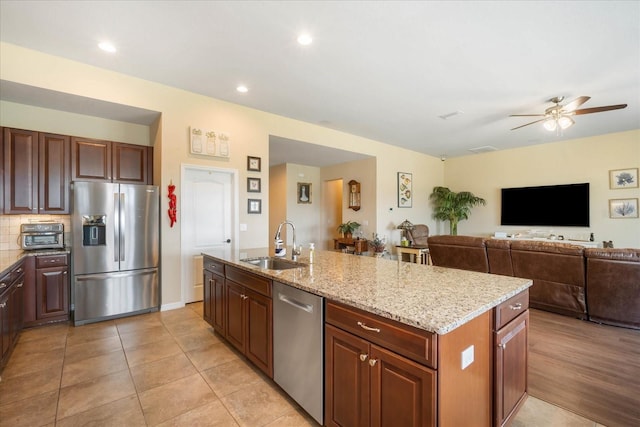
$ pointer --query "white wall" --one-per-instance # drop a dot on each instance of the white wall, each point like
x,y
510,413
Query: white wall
x,y
28,117
574,161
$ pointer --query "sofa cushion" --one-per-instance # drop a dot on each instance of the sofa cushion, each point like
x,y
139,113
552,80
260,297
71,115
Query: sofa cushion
x,y
558,274
499,256
462,252
613,286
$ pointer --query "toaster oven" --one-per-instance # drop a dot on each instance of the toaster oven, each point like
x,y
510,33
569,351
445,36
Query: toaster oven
x,y
48,235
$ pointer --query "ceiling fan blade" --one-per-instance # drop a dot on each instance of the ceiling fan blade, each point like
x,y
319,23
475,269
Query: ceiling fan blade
x,y
526,115
537,121
599,109
575,104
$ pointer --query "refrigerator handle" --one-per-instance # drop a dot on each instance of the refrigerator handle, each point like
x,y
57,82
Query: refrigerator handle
x,y
122,226
116,228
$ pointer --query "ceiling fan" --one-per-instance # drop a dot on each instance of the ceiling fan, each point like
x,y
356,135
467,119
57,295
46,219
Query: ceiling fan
x,y
559,116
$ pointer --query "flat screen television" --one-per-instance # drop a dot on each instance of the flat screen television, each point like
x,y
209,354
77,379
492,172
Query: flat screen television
x,y
551,205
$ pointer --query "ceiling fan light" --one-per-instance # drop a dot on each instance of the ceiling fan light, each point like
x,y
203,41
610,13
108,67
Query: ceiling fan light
x,y
550,124
564,122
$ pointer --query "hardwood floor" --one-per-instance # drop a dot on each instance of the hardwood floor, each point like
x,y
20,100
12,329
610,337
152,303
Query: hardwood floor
x,y
587,368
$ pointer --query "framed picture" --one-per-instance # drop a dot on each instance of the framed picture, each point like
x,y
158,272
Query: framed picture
x,y
405,192
253,185
623,208
623,178
254,206
304,192
254,164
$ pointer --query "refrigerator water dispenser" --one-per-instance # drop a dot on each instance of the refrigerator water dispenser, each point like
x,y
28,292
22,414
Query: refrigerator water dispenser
x,y
94,230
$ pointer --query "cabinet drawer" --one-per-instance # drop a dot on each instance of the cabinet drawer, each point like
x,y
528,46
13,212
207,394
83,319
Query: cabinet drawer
x,y
414,343
11,276
511,308
44,261
216,267
251,281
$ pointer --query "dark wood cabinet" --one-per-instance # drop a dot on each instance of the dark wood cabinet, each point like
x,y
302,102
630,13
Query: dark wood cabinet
x,y
249,325
90,159
369,385
238,305
214,311
11,311
46,289
20,171
511,330
106,161
36,172
131,164
54,174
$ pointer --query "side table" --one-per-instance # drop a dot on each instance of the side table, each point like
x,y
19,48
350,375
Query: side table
x,y
417,254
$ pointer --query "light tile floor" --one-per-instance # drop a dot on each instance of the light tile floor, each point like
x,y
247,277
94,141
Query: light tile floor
x,y
159,369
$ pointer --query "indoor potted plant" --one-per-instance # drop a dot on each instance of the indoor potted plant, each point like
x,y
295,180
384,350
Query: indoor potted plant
x,y
453,207
347,229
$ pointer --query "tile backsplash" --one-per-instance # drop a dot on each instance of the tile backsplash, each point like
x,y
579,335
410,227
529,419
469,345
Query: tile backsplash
x,y
10,228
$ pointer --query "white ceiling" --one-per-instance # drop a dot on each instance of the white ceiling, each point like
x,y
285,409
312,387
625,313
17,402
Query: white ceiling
x,y
384,70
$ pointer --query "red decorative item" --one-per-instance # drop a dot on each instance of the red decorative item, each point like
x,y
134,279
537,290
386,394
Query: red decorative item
x,y
173,209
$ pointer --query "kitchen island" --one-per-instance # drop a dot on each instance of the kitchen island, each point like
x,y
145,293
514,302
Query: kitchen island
x,y
446,326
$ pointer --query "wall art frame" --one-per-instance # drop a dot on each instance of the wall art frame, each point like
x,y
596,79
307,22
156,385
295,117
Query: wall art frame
x,y
254,185
405,190
623,178
254,164
303,195
254,206
623,208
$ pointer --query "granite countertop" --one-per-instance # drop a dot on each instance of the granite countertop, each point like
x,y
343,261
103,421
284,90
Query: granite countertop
x,y
10,258
435,299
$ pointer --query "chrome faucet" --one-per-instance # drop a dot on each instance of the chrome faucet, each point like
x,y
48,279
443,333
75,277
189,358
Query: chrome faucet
x,y
295,251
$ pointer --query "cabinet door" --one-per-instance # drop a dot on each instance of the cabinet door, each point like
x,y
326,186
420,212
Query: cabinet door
x,y
20,171
54,173
235,329
52,292
511,367
346,379
130,163
207,303
218,307
16,312
259,345
5,324
90,160
403,393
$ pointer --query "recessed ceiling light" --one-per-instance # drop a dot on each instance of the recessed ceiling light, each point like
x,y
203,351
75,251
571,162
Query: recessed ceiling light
x,y
107,47
305,39
242,89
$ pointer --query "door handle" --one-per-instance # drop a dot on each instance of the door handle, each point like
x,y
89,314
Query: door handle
x,y
116,228
122,226
368,328
226,241
304,307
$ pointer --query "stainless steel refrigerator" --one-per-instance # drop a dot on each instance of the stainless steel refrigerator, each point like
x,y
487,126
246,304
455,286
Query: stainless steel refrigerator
x,y
116,244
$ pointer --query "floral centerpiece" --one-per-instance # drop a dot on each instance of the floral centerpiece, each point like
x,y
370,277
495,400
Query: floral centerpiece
x,y
378,244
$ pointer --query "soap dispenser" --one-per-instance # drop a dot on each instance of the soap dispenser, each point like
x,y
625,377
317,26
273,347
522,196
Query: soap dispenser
x,y
311,252
280,250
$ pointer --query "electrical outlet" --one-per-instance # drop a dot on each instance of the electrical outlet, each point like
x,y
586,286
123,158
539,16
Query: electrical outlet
x,y
467,357
243,227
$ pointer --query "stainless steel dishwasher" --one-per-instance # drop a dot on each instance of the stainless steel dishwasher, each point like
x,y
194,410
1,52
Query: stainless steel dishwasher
x,y
298,347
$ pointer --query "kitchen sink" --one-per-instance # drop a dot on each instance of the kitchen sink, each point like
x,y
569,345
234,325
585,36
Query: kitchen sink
x,y
273,263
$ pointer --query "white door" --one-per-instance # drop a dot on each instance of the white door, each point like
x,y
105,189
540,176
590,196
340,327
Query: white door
x,y
207,209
